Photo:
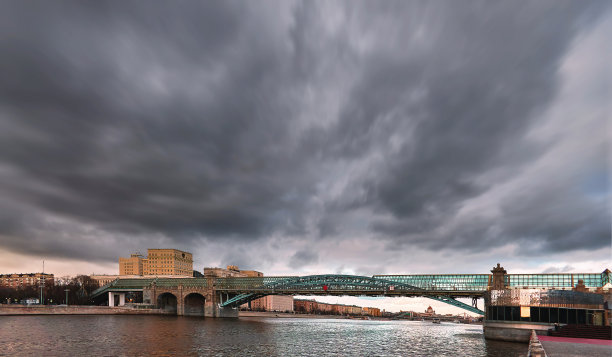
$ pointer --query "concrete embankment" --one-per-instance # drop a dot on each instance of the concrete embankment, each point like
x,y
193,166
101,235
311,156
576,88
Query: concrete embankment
x,y
535,347
288,315
74,310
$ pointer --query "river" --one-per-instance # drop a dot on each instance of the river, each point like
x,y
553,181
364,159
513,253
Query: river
x,y
117,335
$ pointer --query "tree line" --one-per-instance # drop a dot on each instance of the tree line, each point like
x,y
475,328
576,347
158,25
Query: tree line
x,y
79,292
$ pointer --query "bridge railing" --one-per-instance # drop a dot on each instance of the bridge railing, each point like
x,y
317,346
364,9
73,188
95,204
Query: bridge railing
x,y
335,282
249,283
450,282
556,281
185,282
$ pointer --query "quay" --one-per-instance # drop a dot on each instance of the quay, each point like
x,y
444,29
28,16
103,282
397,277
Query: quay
x,y
15,309
551,346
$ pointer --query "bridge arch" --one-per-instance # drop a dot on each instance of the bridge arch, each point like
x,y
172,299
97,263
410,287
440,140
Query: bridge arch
x,y
168,302
193,304
334,284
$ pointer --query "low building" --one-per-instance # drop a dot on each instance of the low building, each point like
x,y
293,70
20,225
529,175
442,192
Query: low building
x,y
252,273
305,306
315,307
372,311
103,279
231,271
24,280
279,303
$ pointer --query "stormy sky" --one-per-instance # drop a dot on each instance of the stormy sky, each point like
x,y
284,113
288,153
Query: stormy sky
x,y
307,137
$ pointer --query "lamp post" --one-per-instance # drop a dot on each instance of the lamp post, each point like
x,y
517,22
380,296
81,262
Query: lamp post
x,y
67,290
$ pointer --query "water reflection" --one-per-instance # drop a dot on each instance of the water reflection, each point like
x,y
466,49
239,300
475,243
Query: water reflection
x,y
172,335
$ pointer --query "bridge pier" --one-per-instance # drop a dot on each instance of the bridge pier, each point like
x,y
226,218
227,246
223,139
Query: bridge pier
x,y
188,301
212,307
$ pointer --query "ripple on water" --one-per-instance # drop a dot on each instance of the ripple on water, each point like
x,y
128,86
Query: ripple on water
x,y
169,335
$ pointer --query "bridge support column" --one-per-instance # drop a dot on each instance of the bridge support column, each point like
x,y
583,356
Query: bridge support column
x,y
212,307
120,299
180,301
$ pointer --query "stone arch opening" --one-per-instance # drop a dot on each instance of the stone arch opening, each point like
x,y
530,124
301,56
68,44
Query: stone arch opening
x,y
194,304
167,302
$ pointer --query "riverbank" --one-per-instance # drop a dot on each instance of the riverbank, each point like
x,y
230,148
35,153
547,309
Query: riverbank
x,y
11,310
286,315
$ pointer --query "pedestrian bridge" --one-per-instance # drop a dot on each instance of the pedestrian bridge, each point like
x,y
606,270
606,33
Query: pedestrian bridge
x,y
219,294
248,289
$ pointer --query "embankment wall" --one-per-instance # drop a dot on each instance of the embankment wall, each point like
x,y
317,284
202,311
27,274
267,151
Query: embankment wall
x,y
75,310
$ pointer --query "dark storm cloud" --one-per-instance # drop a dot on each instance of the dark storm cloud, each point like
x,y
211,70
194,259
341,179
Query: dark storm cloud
x,y
216,121
215,160
302,258
477,93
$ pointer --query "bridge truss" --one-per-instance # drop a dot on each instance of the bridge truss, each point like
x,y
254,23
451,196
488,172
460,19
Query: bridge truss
x,y
441,287
248,289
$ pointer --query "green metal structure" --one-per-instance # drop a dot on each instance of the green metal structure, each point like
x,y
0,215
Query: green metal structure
x,y
557,281
248,289
445,288
138,284
126,285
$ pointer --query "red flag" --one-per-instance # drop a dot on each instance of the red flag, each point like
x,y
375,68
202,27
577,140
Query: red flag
x,y
325,287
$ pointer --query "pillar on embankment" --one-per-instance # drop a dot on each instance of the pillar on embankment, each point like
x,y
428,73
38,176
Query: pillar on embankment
x,y
111,299
512,328
505,329
213,308
512,313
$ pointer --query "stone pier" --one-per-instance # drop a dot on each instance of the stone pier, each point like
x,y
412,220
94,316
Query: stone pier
x,y
187,301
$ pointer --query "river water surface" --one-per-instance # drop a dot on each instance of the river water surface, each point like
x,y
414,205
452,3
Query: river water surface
x,y
189,336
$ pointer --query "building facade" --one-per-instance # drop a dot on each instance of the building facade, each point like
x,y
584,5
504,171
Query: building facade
x,y
106,279
372,311
280,303
231,271
159,262
24,280
168,262
132,265
315,307
305,306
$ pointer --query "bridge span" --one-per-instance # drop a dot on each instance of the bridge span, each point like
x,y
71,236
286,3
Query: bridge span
x,y
220,297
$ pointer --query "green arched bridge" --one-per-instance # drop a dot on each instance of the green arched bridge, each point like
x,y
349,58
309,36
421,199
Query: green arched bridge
x,y
233,292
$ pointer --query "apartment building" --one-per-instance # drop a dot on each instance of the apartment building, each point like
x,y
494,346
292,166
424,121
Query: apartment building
x,y
159,262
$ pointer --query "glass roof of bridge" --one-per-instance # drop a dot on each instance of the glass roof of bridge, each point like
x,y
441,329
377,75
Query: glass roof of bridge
x,y
469,282
447,282
481,281
556,280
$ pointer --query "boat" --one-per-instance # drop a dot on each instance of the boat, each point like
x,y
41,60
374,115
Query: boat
x,y
435,320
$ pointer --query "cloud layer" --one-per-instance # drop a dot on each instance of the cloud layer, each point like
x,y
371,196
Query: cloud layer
x,y
285,134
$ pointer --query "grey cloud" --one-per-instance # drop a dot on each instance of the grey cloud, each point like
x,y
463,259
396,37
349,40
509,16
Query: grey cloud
x,y
553,270
303,258
480,91
227,122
